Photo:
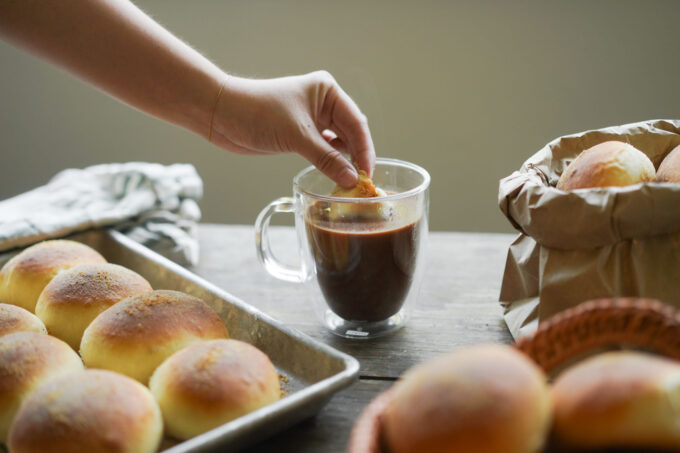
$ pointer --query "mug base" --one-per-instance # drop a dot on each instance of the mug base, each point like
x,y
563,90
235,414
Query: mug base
x,y
363,330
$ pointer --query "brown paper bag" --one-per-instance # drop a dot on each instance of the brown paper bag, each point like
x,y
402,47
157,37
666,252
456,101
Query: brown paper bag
x,y
589,243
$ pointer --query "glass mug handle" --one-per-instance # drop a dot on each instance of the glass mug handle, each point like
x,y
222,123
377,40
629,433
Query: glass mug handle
x,y
263,245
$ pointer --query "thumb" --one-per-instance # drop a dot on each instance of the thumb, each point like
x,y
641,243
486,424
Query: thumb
x,y
330,162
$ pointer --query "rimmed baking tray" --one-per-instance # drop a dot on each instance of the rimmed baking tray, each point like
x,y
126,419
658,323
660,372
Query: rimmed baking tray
x,y
311,371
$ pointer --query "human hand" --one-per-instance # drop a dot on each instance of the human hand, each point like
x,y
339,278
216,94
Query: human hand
x,y
308,114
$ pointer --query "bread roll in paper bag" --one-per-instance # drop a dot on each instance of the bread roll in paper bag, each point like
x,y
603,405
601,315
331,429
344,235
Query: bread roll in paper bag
x,y
589,243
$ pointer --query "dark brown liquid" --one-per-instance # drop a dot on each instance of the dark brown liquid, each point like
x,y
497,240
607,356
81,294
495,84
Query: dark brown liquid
x,y
364,270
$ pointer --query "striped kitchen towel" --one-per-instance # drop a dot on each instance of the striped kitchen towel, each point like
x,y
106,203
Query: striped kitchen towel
x,y
152,203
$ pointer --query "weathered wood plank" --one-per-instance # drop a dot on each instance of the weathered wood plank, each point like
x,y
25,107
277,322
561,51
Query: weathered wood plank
x,y
458,303
329,430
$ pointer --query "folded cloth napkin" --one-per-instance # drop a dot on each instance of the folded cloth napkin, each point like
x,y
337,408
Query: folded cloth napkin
x,y
152,203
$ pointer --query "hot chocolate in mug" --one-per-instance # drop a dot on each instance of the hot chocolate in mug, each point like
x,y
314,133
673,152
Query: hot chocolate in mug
x,y
361,258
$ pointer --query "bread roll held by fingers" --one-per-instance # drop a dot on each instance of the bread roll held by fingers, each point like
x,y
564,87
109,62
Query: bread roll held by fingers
x,y
481,399
349,211
610,163
669,170
23,278
74,297
89,411
137,334
211,383
29,360
16,319
364,188
618,399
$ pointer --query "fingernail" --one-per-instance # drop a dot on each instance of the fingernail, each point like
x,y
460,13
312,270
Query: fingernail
x,y
348,178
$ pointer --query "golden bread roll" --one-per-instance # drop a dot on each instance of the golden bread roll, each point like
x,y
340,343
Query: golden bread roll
x,y
23,278
669,170
618,399
74,297
137,334
16,319
482,399
211,383
607,164
29,360
350,211
94,411
364,188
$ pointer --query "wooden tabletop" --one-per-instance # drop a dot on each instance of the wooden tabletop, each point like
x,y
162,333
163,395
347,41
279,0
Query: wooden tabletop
x,y
458,305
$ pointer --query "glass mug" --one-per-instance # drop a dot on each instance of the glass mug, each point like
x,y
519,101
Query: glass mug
x,y
361,258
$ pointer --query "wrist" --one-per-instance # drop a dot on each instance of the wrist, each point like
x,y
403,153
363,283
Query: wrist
x,y
194,110
234,114
214,108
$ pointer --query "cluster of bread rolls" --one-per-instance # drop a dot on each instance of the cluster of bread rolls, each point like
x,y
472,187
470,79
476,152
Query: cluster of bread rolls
x,y
493,399
615,163
58,297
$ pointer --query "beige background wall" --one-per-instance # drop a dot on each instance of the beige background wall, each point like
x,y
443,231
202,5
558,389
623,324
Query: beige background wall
x,y
466,89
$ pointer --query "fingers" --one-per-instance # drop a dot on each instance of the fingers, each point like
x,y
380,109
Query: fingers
x,y
330,162
335,141
352,126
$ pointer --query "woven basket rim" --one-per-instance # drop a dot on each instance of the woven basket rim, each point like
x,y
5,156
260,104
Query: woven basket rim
x,y
637,323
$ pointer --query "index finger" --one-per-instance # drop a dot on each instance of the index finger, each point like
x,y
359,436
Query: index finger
x,y
352,125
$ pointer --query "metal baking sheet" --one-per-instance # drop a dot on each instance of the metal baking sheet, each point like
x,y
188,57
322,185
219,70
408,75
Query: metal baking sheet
x,y
312,371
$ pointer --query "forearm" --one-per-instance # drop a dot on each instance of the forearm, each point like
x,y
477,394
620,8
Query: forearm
x,y
116,47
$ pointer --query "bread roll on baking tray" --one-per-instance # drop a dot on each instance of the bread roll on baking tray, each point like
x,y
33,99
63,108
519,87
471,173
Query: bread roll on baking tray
x,y
669,170
16,319
93,411
482,399
211,383
137,334
618,399
29,360
23,278
607,164
71,301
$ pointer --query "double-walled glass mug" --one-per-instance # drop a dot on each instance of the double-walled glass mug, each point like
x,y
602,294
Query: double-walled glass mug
x,y
361,258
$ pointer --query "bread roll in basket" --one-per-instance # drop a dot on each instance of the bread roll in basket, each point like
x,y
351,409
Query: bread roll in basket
x,y
609,230
566,339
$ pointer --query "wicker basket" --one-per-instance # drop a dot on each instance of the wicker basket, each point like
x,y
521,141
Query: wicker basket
x,y
630,323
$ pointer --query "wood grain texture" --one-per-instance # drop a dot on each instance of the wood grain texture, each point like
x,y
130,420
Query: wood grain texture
x,y
458,305
329,430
